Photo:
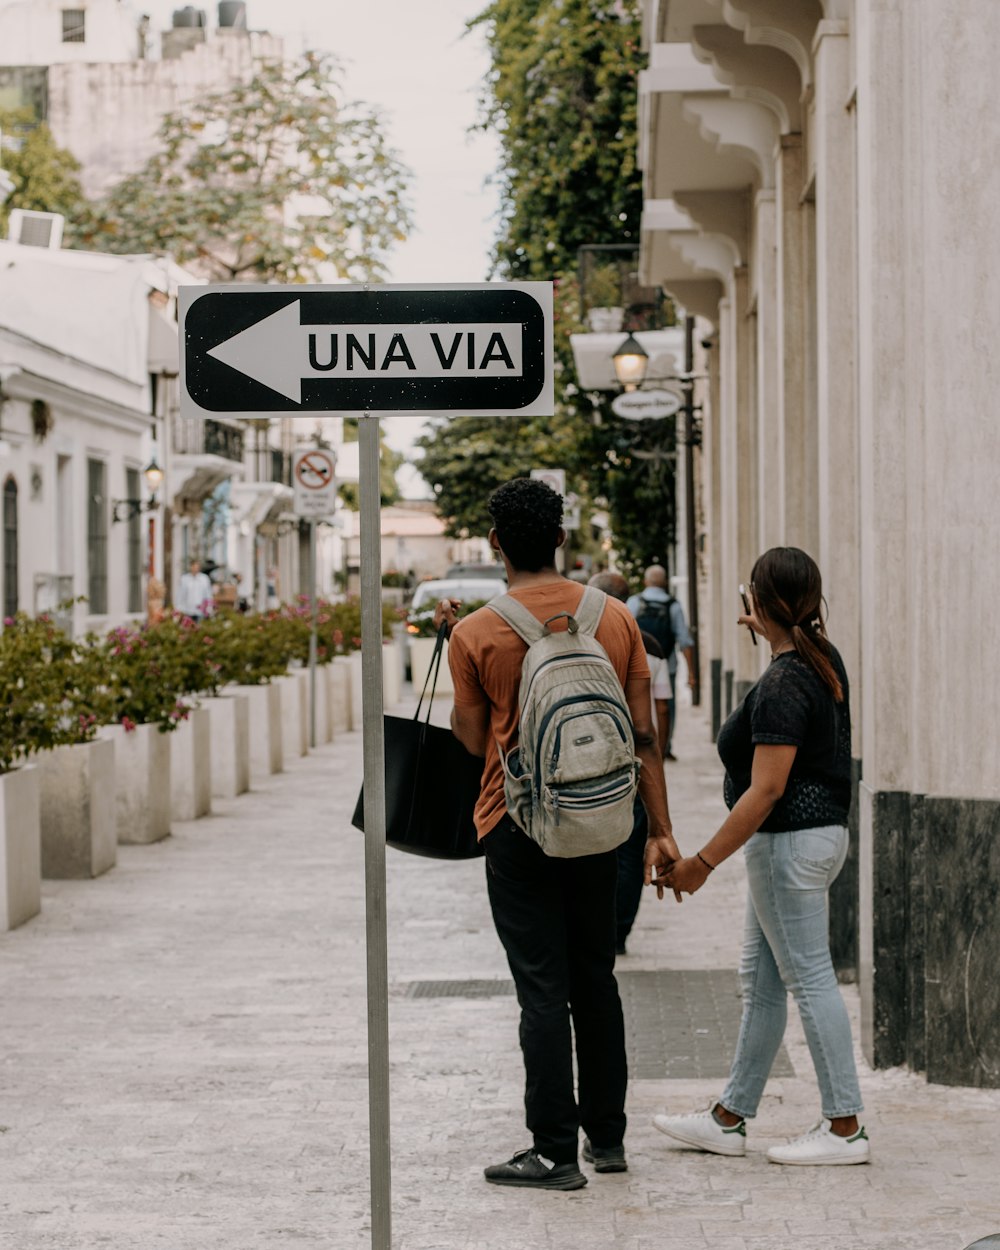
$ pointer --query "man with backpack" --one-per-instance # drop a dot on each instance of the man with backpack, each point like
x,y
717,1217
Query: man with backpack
x,y
552,687
661,615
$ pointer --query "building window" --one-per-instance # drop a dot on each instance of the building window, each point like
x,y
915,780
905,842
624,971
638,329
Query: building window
x,y
9,547
97,537
73,29
134,540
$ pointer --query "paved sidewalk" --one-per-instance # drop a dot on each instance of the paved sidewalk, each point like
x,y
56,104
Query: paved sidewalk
x,y
184,1061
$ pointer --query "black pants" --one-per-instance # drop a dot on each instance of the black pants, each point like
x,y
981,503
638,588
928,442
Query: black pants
x,y
556,920
630,865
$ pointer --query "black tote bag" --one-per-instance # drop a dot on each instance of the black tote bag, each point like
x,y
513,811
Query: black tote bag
x,y
431,783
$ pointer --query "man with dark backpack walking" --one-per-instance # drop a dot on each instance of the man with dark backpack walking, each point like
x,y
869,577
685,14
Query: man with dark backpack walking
x,y
552,687
660,614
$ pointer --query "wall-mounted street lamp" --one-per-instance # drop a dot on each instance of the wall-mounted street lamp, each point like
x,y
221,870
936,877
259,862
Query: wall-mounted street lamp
x,y
126,509
631,361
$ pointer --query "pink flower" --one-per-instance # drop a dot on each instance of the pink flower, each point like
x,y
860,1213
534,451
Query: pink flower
x,y
129,724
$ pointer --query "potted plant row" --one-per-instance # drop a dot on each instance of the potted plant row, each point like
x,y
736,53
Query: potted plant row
x,y
107,738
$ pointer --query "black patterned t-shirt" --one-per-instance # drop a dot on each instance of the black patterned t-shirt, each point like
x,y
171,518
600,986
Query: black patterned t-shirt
x,y
791,706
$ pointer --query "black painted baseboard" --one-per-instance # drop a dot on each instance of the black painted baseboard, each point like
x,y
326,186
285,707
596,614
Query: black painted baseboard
x,y
962,896
844,896
930,935
715,671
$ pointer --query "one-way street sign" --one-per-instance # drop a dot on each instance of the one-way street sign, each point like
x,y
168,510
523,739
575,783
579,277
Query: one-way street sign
x,y
259,350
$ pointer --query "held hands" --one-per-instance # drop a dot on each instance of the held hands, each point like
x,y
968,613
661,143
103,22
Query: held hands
x,y
686,875
660,854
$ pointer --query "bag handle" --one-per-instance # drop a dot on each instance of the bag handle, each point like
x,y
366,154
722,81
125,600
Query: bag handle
x,y
433,668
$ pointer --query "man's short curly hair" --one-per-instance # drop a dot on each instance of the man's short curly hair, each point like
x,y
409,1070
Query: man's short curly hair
x,y
527,516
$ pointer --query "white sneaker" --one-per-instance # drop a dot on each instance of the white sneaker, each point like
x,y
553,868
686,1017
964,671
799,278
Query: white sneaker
x,y
704,1132
821,1146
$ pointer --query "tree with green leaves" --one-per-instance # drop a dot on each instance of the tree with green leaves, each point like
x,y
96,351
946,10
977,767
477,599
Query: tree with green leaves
x,y
271,179
562,98
44,174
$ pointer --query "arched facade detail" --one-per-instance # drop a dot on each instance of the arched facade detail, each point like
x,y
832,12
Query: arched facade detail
x,y
775,24
758,73
739,128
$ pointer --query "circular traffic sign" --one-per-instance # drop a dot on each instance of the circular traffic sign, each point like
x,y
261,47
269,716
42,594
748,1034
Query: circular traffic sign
x,y
314,470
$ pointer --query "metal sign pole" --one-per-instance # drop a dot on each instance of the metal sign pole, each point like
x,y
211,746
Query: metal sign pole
x,y
312,635
375,888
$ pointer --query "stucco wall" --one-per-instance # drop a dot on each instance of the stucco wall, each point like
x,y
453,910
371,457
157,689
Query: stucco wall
x,y
108,114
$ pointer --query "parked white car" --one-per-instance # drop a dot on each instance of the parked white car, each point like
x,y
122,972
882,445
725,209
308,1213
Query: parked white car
x,y
464,590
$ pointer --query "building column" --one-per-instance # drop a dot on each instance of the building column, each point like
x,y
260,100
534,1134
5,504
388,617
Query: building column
x,y
888,945
744,484
770,462
712,487
797,450
837,416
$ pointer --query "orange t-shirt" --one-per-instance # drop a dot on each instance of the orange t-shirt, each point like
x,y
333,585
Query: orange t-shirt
x,y
485,657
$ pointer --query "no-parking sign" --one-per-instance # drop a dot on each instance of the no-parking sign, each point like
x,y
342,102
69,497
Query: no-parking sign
x,y
314,482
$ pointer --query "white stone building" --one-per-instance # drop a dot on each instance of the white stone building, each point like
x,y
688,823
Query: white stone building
x,y
103,83
820,191
76,432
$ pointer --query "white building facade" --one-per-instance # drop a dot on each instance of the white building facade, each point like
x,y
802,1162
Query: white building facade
x,y
818,191
76,433
103,83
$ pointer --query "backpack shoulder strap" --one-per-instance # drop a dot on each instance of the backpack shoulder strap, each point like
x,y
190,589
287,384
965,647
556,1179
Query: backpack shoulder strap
x,y
527,627
590,610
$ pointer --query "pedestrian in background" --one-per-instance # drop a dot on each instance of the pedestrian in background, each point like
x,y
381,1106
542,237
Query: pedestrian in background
x,y
194,594
661,615
554,916
787,755
631,853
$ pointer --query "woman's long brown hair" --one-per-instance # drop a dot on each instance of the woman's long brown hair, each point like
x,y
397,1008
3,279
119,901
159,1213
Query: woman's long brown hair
x,y
787,589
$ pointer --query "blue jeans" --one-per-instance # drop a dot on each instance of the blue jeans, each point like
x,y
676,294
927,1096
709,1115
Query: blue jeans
x,y
786,946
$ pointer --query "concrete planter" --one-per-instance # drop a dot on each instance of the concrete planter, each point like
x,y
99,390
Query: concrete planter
x,y
339,677
324,708
354,669
392,678
20,847
142,783
421,650
77,807
191,766
392,673
294,713
229,717
266,754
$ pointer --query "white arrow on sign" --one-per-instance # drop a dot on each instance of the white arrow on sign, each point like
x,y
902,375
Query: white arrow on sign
x,y
280,353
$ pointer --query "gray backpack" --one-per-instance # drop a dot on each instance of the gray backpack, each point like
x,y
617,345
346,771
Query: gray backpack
x,y
571,781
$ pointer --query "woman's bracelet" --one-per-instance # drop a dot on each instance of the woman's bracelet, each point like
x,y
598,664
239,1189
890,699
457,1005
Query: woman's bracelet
x,y
710,867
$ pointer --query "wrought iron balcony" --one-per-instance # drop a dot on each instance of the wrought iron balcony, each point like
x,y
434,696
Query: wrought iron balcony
x,y
194,436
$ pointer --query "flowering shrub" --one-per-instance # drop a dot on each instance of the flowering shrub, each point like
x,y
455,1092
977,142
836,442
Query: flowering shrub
x,y
141,674
56,691
44,690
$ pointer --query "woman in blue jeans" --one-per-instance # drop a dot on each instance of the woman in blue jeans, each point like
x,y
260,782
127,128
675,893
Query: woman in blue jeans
x,y
787,754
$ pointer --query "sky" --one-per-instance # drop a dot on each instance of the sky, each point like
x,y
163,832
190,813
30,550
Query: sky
x,y
411,60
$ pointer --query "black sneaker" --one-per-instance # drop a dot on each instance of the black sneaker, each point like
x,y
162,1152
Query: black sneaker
x,y
530,1169
605,1158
